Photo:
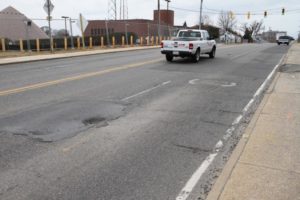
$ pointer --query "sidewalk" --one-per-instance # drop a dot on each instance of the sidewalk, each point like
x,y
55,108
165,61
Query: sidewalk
x,y
22,59
266,163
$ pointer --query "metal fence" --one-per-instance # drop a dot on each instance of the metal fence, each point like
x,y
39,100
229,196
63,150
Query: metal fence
x,y
108,34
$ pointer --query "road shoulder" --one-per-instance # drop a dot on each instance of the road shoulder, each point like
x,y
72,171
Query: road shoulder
x,y
265,164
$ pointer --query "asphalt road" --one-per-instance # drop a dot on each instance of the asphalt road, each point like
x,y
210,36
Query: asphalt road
x,y
120,126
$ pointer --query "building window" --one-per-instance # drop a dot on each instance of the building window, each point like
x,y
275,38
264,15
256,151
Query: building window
x,y
92,31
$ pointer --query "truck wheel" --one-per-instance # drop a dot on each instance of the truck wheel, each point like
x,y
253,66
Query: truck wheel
x,y
212,54
196,56
169,57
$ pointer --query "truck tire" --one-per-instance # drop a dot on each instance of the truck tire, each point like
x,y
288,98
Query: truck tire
x,y
169,57
212,54
196,56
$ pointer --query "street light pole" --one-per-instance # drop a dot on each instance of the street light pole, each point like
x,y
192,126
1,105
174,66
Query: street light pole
x,y
66,31
126,33
158,17
71,32
200,22
49,23
27,25
168,1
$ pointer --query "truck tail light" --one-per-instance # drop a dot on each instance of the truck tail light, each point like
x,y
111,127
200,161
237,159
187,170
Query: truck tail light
x,y
161,45
191,46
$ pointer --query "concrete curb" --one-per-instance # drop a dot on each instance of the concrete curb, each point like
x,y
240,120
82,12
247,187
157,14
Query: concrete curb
x,y
268,85
26,59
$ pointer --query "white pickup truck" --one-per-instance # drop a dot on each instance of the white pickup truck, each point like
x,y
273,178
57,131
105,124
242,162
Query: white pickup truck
x,y
189,43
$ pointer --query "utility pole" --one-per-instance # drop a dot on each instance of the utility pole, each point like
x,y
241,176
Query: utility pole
x,y
126,33
65,18
168,1
107,33
158,8
27,25
71,32
200,22
49,8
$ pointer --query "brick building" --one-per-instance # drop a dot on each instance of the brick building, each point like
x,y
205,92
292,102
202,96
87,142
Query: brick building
x,y
140,27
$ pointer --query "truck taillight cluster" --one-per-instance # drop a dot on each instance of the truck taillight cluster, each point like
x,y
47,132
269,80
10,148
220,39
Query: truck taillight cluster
x,y
191,46
161,45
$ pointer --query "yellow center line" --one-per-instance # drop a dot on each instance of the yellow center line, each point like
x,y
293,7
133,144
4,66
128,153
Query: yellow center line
x,y
74,78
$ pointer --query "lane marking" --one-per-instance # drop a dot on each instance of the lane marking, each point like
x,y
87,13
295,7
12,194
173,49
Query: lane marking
x,y
74,78
248,106
146,91
229,85
193,82
237,120
188,188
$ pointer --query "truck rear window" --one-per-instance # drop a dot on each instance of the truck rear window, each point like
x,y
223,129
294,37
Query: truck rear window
x,y
189,34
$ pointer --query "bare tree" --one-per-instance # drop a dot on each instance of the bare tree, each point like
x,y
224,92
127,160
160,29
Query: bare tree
x,y
227,21
255,27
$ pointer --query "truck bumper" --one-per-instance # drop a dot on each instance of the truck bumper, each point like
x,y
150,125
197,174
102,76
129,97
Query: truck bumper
x,y
177,53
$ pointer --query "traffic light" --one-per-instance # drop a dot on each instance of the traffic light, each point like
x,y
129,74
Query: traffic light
x,y
248,15
283,11
265,14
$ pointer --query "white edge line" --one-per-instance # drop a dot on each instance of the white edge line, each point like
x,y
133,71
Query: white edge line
x,y
262,87
145,91
185,192
237,120
248,106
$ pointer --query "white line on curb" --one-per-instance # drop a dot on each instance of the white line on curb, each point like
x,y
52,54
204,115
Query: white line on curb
x,y
146,91
186,191
237,120
248,106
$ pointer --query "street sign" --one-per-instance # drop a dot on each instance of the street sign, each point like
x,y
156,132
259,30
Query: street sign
x,y
49,4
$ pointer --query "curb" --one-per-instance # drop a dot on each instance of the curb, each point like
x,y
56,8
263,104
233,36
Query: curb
x,y
26,59
264,89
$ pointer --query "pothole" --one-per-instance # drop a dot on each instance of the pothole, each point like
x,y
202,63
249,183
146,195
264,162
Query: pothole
x,y
93,121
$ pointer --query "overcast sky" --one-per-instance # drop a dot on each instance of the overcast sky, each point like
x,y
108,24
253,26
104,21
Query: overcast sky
x,y
97,9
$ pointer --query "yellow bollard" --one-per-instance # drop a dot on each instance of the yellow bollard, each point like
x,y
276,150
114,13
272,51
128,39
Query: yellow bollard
x,y
123,41
3,44
160,39
113,41
91,42
21,45
152,40
78,43
156,42
131,40
102,42
66,44
148,40
38,45
142,41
